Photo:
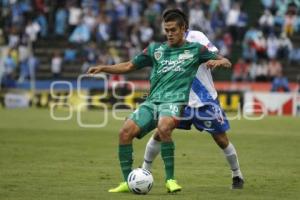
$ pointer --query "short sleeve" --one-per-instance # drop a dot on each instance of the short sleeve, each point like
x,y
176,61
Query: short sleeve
x,y
143,59
205,55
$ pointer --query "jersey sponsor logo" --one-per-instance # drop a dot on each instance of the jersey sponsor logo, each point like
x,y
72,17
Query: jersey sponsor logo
x,y
186,55
171,65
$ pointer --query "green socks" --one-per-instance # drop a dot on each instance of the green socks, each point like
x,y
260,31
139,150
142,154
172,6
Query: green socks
x,y
125,157
167,154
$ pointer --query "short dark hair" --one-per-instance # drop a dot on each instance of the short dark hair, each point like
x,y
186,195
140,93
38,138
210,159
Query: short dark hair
x,y
176,15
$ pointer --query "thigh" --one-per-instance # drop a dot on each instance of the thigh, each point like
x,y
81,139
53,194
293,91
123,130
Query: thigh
x,y
144,118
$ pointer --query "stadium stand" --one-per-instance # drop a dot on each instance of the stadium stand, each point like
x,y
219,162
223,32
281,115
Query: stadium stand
x,y
60,39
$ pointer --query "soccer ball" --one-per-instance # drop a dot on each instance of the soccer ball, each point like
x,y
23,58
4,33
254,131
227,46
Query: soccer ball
x,y
140,181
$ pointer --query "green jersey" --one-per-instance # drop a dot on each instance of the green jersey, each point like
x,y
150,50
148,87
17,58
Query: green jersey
x,y
173,69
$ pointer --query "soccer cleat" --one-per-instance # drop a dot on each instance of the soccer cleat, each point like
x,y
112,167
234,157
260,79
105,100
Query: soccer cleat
x,y
237,183
122,188
172,186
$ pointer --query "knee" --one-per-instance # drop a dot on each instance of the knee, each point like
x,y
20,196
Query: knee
x,y
156,136
126,135
163,128
164,132
222,140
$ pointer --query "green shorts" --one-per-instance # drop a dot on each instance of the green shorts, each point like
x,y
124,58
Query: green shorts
x,y
147,115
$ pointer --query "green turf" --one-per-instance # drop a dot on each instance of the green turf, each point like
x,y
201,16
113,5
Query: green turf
x,y
45,159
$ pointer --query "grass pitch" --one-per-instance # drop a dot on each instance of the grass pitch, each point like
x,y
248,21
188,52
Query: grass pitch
x,y
41,158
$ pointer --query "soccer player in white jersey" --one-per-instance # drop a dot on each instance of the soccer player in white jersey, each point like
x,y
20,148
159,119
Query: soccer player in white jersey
x,y
206,115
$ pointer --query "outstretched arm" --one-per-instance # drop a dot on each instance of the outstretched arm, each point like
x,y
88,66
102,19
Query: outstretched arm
x,y
219,62
121,68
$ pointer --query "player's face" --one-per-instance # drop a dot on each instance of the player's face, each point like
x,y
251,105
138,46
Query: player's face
x,y
174,32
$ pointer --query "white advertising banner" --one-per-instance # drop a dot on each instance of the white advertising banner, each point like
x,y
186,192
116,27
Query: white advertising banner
x,y
12,100
271,103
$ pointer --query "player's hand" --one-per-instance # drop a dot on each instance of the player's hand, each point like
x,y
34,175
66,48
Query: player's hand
x,y
212,64
94,70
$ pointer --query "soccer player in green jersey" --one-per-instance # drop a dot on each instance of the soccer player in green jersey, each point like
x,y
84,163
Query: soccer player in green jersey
x,y
174,65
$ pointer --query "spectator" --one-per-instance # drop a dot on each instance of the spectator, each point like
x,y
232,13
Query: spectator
x,y
70,54
266,22
103,29
249,51
29,68
81,34
32,29
261,73
9,71
196,16
260,46
241,25
280,83
13,38
232,20
253,68
24,52
146,33
290,23
274,68
135,10
91,54
224,43
89,19
74,17
285,47
225,6
217,21
294,56
269,5
61,16
152,12
272,46
56,65
278,24
42,21
33,64
240,71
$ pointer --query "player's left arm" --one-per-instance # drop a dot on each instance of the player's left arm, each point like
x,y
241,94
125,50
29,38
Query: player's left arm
x,y
220,61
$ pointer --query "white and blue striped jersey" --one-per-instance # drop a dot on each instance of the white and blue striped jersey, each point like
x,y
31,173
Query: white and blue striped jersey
x,y
203,89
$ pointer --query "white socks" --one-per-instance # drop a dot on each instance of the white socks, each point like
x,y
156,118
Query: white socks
x,y
231,156
151,151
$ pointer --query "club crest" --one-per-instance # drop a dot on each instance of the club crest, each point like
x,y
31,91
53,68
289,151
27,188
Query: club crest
x,y
207,124
157,55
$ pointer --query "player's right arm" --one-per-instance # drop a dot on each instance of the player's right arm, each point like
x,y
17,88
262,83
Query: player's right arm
x,y
120,68
143,59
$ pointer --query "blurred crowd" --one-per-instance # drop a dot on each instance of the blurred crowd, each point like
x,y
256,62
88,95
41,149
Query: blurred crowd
x,y
110,31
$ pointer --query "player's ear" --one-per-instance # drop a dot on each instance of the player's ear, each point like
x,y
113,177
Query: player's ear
x,y
183,28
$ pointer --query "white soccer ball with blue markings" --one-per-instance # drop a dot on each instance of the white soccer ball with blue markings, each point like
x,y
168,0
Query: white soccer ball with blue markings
x,y
140,181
